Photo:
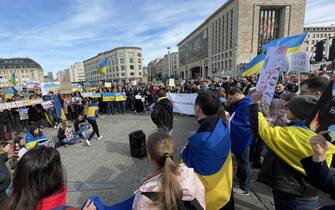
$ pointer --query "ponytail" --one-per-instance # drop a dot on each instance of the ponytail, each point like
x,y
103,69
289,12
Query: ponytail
x,y
171,191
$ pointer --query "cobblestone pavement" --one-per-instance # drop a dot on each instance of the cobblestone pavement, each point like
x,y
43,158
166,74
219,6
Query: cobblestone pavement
x,y
107,170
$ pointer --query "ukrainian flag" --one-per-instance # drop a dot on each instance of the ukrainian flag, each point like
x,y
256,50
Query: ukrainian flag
x,y
255,65
12,80
103,66
208,153
293,43
108,97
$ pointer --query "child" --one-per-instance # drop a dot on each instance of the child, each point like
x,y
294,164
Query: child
x,y
171,185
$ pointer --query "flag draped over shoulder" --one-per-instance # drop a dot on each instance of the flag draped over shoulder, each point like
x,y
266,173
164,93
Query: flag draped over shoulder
x,y
102,69
209,154
124,205
255,65
59,108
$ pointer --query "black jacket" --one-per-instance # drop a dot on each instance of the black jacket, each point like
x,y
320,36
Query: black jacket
x,y
162,114
276,173
5,178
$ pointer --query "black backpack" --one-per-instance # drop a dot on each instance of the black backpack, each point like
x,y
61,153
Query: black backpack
x,y
137,144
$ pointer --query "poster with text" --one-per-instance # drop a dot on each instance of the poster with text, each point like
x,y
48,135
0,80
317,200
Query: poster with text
x,y
46,87
299,62
275,62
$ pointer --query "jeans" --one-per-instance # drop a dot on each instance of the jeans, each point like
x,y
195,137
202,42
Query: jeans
x,y
111,107
243,169
121,106
71,141
284,202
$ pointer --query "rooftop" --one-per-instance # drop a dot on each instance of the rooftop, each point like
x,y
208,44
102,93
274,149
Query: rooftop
x,y
17,63
118,48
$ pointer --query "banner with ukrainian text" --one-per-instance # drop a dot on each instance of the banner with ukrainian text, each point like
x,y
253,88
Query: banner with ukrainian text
x,y
183,103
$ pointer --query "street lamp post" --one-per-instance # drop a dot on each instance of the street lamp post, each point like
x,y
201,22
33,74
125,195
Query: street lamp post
x,y
168,49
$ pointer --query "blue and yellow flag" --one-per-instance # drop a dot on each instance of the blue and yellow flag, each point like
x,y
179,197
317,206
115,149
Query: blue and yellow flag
x,y
12,80
103,67
108,96
255,65
293,43
208,153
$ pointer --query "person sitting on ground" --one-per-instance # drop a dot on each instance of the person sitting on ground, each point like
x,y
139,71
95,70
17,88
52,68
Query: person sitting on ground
x,y
281,169
39,182
162,114
82,127
208,152
66,134
170,186
34,136
316,167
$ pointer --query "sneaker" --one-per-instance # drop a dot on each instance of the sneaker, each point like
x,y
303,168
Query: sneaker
x,y
100,137
88,143
239,191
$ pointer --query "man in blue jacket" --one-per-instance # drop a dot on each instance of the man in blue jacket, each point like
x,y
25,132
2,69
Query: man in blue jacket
x,y
241,137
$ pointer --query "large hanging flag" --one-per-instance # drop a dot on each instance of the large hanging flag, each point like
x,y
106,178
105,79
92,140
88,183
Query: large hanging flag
x,y
12,80
255,65
102,69
293,43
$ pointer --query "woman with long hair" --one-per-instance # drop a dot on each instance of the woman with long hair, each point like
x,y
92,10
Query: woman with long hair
x,y
171,185
39,182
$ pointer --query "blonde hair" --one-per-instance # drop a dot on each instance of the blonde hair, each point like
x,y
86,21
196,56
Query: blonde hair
x,y
161,149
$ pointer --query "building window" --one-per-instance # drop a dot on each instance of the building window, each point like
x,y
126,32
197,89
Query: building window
x,y
139,67
140,73
117,74
268,25
121,60
131,67
122,68
131,60
139,60
131,54
139,55
131,73
123,74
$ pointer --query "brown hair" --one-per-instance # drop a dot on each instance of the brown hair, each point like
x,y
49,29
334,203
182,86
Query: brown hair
x,y
161,149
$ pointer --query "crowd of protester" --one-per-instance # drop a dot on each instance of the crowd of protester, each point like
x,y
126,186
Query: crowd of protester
x,y
233,124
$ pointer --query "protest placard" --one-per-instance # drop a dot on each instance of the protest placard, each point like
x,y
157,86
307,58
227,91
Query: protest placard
x,y
31,86
299,62
106,97
323,118
76,87
171,82
46,87
47,104
66,88
183,103
108,84
275,63
23,114
9,93
120,97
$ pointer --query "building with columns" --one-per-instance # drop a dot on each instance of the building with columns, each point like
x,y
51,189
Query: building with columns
x,y
234,33
27,71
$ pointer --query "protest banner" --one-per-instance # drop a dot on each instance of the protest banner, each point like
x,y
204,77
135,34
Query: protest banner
x,y
31,86
87,94
275,62
120,97
106,97
17,104
96,95
323,118
66,88
299,62
183,103
76,87
108,84
46,87
27,95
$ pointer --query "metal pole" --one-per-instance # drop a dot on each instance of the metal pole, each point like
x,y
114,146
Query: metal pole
x,y
168,48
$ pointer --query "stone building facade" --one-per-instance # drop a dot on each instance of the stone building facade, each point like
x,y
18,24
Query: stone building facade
x,y
234,33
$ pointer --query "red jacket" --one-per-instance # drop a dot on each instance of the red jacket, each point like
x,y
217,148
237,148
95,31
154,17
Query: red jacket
x,y
53,201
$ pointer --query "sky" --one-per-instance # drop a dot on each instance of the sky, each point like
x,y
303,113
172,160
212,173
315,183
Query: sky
x,y
57,33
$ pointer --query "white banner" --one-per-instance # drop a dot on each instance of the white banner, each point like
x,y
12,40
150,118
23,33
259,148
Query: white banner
x,y
299,62
17,104
275,62
183,103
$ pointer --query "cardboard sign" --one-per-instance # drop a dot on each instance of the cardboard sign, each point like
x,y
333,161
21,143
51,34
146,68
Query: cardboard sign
x,y
275,62
46,87
66,88
31,86
323,118
23,114
9,93
106,97
120,97
47,104
108,84
299,62
76,87
171,82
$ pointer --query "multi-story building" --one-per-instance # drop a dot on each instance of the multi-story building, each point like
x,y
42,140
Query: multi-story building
x,y
77,73
234,33
61,76
165,67
49,77
27,71
316,34
124,63
152,69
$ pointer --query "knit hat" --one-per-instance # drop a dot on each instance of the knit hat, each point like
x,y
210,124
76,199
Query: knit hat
x,y
302,107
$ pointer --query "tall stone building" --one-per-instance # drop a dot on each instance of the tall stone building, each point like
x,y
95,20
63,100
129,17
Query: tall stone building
x,y
27,71
124,63
162,68
234,33
77,73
